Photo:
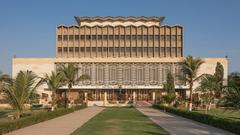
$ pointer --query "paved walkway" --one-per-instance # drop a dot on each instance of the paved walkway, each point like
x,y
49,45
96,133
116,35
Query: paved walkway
x,y
176,125
63,125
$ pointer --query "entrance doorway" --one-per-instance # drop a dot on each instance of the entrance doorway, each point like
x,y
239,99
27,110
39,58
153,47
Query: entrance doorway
x,y
121,95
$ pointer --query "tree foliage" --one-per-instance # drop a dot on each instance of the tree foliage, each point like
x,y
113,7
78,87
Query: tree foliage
x,y
54,82
219,73
169,86
70,77
231,98
209,86
20,89
190,69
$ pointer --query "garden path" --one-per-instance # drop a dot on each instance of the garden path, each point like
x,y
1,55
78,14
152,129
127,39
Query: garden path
x,y
63,125
176,125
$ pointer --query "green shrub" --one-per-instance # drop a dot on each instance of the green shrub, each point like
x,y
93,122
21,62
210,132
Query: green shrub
x,y
223,123
35,118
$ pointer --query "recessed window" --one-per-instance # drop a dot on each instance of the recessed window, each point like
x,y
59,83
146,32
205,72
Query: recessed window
x,y
116,37
82,49
65,49
88,49
70,37
139,37
122,37
167,37
128,37
105,49
65,37
105,37
99,37
145,37
82,37
70,49
99,49
59,37
150,37
76,49
116,49
110,49
88,37
179,38
156,37
128,49
76,37
134,37
94,37
59,49
94,49
134,49
173,37
110,37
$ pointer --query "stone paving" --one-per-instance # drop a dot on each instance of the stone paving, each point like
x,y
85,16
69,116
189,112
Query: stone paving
x,y
63,125
176,125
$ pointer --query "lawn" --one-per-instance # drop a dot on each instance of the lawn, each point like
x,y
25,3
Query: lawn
x,y
120,121
229,114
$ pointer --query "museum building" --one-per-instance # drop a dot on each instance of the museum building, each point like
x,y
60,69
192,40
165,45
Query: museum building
x,y
126,58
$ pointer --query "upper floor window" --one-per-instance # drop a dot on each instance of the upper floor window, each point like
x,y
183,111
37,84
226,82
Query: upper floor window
x,y
70,37
59,37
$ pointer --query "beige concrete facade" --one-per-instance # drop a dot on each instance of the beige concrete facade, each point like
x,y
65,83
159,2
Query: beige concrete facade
x,y
129,54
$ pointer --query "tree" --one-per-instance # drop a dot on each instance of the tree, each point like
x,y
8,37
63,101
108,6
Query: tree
x,y
70,78
231,93
209,86
20,89
54,82
169,86
219,73
4,78
190,68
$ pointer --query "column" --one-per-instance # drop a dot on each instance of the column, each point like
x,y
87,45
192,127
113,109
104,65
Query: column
x,y
153,96
86,98
134,97
105,98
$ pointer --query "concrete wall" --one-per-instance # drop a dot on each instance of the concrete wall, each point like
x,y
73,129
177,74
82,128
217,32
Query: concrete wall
x,y
40,66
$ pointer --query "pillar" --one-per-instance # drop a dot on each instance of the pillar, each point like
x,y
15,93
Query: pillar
x,y
85,97
134,97
105,99
153,96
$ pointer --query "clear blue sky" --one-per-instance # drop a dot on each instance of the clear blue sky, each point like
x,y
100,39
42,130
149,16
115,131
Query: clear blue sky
x,y
211,27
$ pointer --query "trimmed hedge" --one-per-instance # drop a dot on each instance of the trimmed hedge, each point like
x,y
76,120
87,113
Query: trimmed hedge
x,y
223,123
34,119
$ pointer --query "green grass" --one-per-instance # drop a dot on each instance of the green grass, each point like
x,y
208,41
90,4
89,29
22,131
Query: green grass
x,y
229,114
120,121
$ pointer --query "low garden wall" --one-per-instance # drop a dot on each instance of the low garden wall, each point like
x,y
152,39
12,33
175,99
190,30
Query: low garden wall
x,y
223,123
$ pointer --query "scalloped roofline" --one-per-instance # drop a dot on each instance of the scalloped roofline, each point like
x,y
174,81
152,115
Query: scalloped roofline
x,y
75,25
80,19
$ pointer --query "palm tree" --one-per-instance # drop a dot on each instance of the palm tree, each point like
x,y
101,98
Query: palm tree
x,y
20,89
70,78
54,82
190,68
209,87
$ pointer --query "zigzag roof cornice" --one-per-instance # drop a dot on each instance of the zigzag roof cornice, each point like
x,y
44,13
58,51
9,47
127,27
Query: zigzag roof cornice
x,y
79,19
74,25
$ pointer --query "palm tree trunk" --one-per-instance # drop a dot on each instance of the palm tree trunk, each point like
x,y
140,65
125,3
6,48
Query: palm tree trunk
x,y
190,99
65,96
53,101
